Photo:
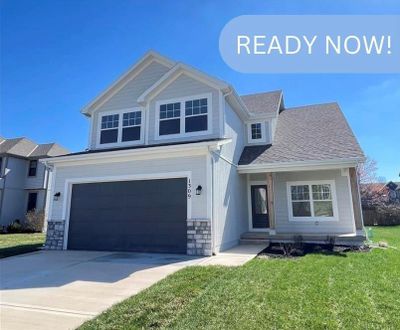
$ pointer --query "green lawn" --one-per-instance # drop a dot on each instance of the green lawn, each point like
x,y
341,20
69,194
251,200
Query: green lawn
x,y
354,291
13,244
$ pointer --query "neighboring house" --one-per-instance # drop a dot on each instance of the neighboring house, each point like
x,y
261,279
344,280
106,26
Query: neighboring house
x,y
178,162
388,192
23,179
393,191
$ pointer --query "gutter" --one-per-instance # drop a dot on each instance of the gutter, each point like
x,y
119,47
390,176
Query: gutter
x,y
300,165
128,153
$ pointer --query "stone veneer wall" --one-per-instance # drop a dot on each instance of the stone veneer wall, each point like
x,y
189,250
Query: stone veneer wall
x,y
55,235
199,237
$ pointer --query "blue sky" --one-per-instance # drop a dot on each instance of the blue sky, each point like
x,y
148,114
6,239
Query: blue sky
x,y
58,55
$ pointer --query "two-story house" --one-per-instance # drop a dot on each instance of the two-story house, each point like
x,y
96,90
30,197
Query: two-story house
x,y
23,179
178,162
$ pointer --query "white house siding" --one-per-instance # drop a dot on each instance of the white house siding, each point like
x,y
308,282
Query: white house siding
x,y
184,86
344,225
195,164
127,96
230,215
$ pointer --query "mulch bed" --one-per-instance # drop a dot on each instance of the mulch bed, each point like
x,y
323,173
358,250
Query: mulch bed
x,y
287,250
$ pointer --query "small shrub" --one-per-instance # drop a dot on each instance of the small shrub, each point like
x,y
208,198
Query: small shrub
x,y
15,227
34,221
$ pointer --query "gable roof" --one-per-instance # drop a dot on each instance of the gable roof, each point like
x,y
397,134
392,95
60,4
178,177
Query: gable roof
x,y
309,133
175,72
23,147
268,103
143,62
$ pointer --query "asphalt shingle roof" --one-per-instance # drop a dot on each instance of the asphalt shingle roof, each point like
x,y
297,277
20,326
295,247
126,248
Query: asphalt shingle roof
x,y
309,133
23,147
263,103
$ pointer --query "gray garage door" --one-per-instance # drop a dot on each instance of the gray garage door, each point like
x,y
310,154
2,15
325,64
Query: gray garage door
x,y
146,216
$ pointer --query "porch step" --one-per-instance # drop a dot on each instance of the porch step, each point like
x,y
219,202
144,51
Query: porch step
x,y
252,241
255,235
257,238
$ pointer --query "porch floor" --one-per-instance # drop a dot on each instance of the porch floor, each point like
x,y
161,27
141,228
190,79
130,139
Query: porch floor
x,y
266,237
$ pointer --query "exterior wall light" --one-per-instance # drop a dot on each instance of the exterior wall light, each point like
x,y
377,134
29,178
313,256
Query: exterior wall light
x,y
57,196
198,190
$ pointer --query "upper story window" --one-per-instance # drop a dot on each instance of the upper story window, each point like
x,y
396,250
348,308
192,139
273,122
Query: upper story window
x,y
121,127
132,122
185,117
311,201
32,167
109,129
258,132
170,115
196,115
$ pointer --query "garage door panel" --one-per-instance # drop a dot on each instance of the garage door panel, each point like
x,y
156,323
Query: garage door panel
x,y
148,215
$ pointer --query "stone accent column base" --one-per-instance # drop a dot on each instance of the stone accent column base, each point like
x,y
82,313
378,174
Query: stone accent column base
x,y
199,237
55,235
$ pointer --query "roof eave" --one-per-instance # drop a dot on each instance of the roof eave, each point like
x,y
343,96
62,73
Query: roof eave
x,y
301,165
131,153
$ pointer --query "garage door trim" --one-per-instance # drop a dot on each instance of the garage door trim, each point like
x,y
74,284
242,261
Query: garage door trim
x,y
132,177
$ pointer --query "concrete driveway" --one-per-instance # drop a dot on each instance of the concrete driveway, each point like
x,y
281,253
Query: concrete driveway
x,y
62,289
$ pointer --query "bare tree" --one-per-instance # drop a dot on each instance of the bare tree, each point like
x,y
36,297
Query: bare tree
x,y
367,171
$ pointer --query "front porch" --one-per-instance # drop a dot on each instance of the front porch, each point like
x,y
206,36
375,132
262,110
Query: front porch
x,y
266,238
319,206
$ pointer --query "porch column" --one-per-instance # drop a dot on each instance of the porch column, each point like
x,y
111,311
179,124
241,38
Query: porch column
x,y
355,196
270,200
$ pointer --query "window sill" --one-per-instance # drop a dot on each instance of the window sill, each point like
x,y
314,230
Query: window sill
x,y
313,219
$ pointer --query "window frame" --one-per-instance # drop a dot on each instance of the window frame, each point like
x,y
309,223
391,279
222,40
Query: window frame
x,y
312,218
182,117
120,127
36,201
29,168
264,137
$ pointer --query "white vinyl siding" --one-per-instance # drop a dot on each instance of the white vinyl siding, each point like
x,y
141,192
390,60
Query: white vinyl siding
x,y
345,218
195,164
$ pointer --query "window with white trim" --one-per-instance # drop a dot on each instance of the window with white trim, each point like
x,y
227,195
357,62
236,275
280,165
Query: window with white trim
x,y
131,123
121,127
256,132
170,115
196,115
109,129
311,200
188,116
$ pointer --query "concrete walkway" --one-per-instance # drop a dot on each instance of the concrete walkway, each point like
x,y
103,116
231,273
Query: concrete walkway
x,y
236,256
62,289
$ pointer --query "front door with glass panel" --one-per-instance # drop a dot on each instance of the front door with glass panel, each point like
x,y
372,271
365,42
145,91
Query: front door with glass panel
x,y
259,207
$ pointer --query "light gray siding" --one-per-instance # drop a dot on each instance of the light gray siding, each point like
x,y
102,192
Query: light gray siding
x,y
230,218
182,87
16,188
13,204
127,96
344,225
195,164
38,181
